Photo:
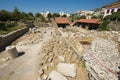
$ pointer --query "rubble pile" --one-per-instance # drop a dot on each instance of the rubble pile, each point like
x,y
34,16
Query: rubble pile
x,y
85,37
103,57
34,36
57,55
83,34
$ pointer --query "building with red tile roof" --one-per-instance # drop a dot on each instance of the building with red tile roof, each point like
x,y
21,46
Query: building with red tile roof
x,y
87,23
92,21
62,22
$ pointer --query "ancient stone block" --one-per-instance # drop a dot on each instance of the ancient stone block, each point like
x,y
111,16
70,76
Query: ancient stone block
x,y
67,69
54,75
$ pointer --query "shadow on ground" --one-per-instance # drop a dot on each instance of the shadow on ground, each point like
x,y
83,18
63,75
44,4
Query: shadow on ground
x,y
20,54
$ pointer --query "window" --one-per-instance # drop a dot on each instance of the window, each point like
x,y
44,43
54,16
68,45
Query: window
x,y
108,11
118,9
112,10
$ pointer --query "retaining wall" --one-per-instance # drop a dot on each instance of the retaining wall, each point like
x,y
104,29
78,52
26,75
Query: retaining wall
x,y
9,38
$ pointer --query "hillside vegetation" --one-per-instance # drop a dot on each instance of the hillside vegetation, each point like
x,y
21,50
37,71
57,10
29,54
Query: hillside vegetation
x,y
110,22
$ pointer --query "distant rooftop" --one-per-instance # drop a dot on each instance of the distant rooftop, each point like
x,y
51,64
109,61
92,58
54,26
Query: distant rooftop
x,y
94,21
60,20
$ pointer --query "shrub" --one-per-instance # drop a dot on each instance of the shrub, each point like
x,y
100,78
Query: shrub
x,y
2,26
9,25
5,26
114,17
104,26
94,17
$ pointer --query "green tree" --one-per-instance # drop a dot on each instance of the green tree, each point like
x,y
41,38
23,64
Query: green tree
x,y
56,15
49,16
16,15
64,15
25,17
38,15
107,18
74,17
104,26
42,19
83,17
5,15
100,16
30,14
94,17
114,17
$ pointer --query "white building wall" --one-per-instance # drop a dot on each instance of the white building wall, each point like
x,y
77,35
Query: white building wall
x,y
68,15
88,17
62,13
105,12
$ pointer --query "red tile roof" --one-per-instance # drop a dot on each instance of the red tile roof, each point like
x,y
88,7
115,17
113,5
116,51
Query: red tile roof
x,y
94,21
60,20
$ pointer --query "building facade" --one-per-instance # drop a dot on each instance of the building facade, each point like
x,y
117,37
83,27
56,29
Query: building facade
x,y
111,8
63,13
86,13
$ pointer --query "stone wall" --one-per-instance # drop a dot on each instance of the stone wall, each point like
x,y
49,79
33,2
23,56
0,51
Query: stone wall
x,y
9,38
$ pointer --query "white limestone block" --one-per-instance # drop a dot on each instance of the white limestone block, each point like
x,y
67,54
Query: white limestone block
x,y
12,51
61,58
44,77
67,69
54,75
41,71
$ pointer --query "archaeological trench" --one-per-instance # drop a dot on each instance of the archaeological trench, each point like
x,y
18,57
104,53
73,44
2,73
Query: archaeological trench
x,y
72,53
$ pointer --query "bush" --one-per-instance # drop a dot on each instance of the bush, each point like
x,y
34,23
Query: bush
x,y
104,26
107,18
114,17
83,17
94,17
2,26
5,26
9,25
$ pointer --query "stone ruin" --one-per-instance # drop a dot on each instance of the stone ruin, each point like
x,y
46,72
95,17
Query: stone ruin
x,y
59,62
102,60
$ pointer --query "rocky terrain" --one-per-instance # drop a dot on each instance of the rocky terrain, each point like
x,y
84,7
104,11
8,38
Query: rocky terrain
x,y
57,51
62,54
103,57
